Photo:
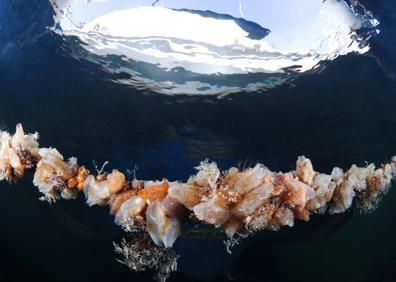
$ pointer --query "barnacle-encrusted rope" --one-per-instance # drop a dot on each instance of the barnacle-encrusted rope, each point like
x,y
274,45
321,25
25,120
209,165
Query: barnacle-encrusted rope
x,y
238,201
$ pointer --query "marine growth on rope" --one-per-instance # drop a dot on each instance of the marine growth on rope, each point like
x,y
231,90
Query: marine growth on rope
x,y
240,202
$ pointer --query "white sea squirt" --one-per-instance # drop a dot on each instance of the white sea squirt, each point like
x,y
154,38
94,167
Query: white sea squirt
x,y
163,230
175,46
17,153
129,210
98,190
52,173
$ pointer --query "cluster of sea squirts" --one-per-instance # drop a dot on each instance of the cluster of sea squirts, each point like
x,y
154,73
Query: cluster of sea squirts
x,y
238,201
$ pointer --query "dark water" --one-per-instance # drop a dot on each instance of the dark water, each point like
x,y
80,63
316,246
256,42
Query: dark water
x,y
345,114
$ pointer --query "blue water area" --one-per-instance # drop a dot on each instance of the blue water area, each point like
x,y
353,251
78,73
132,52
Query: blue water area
x,y
342,115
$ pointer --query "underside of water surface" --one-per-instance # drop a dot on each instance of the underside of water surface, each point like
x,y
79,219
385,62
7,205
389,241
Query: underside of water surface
x,y
212,47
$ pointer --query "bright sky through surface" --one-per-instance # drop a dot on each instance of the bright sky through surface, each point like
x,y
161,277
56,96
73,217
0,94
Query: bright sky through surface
x,y
214,37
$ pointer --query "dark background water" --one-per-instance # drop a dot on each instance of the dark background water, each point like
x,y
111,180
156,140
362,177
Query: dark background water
x,y
345,114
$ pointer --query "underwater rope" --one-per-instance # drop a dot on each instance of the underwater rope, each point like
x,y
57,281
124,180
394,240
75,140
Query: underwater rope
x,y
241,202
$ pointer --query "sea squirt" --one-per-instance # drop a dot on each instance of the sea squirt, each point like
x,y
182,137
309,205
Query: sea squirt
x,y
163,230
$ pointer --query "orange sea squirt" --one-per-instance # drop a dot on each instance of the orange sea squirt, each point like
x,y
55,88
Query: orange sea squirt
x,y
154,192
